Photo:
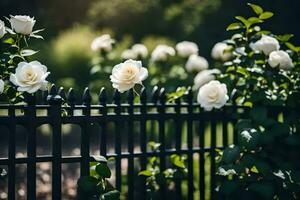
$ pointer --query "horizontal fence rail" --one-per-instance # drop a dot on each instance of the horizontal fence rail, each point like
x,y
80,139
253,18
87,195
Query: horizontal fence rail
x,y
124,129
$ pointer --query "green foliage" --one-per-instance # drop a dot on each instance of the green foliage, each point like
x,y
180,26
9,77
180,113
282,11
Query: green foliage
x,y
264,164
96,186
180,92
155,178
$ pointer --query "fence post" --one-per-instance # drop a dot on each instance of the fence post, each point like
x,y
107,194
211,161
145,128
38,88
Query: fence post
x,y
161,121
143,139
202,158
11,154
178,141
130,135
55,102
30,114
117,102
85,134
103,125
190,145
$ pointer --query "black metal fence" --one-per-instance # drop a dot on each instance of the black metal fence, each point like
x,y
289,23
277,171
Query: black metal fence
x,y
180,127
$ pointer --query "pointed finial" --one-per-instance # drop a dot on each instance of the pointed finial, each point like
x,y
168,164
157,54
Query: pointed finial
x,y
86,98
53,98
155,93
190,95
116,97
143,96
102,96
130,96
162,96
71,96
53,90
178,100
44,96
62,93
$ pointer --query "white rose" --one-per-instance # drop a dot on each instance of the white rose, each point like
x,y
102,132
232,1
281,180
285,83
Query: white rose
x,y
125,75
212,95
1,86
186,48
280,59
196,63
266,44
140,50
128,54
204,77
162,52
103,43
2,29
221,51
22,24
30,77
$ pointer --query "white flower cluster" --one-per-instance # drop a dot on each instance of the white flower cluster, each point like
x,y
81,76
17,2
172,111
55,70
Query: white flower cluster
x,y
271,48
28,77
222,172
162,52
137,51
221,51
103,43
247,134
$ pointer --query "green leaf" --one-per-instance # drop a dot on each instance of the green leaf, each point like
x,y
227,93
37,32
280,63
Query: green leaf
x,y
103,170
243,71
254,170
231,154
248,104
284,38
256,8
234,26
254,20
88,184
292,47
153,145
244,21
266,15
111,195
9,41
263,32
177,161
180,92
28,52
145,173
37,36
100,159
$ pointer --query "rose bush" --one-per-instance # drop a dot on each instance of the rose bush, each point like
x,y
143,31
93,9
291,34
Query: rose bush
x,y
18,74
263,76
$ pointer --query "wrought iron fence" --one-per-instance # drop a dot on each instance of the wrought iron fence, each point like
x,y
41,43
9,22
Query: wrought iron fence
x,y
180,127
